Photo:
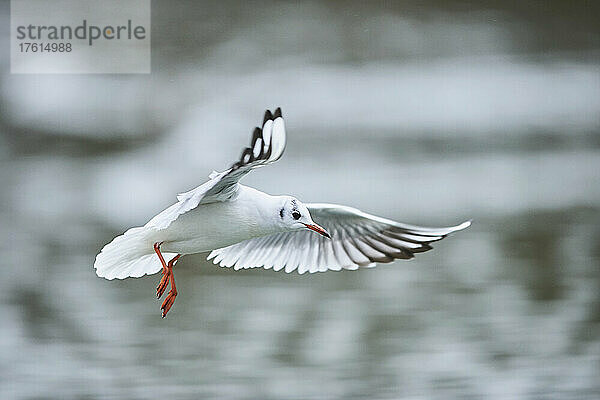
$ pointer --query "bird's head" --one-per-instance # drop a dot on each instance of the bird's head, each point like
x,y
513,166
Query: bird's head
x,y
294,215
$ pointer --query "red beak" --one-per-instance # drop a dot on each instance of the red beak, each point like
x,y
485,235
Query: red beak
x,y
318,229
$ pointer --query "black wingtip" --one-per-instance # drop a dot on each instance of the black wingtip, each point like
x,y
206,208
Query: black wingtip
x,y
277,113
268,116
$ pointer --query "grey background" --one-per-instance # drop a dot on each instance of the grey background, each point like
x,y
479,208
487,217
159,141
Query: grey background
x,y
425,112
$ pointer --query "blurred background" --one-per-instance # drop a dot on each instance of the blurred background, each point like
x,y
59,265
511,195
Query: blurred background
x,y
429,113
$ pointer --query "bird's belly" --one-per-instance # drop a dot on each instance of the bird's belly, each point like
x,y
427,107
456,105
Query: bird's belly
x,y
208,227
198,244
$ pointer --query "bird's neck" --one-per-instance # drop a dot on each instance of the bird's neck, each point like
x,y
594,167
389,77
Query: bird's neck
x,y
261,211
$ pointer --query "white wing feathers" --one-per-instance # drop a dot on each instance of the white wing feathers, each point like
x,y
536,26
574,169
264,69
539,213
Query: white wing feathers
x,y
267,146
357,240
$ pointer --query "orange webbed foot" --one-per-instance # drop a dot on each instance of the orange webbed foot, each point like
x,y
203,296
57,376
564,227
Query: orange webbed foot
x,y
166,305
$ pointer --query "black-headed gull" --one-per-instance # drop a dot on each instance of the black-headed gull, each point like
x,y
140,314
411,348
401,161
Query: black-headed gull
x,y
246,228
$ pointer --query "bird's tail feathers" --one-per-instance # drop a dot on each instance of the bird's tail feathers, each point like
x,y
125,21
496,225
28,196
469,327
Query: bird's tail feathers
x,y
129,255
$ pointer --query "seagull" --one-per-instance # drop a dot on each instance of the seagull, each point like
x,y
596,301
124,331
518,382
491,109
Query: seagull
x,y
245,228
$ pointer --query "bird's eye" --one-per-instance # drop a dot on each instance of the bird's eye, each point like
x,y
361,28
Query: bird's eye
x,y
296,215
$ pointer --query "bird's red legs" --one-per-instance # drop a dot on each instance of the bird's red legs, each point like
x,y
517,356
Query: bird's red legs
x,y
160,289
170,299
168,276
164,282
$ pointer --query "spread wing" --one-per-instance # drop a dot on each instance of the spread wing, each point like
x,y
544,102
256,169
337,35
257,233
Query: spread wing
x,y
267,146
357,240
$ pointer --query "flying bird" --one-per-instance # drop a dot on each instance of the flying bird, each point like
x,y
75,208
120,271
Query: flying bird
x,y
245,228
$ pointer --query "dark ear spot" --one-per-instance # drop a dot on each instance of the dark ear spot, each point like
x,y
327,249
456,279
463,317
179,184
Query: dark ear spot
x,y
281,213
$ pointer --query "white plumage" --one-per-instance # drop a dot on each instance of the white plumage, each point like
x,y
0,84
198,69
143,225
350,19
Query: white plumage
x,y
246,228
357,240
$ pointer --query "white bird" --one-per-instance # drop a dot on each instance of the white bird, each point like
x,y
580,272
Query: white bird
x,y
246,228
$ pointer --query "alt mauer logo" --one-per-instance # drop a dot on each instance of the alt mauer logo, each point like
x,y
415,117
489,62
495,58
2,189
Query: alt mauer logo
x,y
85,31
